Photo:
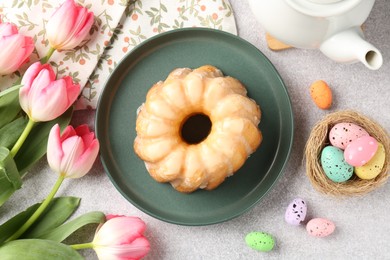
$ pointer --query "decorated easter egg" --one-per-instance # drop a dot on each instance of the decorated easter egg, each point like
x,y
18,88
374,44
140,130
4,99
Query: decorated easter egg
x,y
321,94
296,212
260,241
320,227
334,164
360,151
374,166
342,134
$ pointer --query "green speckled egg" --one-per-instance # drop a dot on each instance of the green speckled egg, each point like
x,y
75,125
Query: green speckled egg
x,y
260,241
334,164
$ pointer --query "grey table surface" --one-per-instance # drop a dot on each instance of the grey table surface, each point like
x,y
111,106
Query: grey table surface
x,y
363,229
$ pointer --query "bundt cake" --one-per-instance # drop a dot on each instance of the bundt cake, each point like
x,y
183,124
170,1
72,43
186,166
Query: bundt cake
x,y
196,128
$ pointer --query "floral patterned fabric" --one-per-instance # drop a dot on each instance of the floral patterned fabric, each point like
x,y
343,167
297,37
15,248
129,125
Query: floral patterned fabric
x,y
120,25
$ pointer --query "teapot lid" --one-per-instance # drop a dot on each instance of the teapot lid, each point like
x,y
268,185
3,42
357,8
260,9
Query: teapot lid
x,y
322,8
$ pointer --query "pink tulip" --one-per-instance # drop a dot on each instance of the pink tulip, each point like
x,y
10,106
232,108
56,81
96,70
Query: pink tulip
x,y
42,97
15,48
68,26
121,238
73,153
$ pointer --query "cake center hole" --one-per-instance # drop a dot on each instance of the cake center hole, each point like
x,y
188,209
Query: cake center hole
x,y
196,128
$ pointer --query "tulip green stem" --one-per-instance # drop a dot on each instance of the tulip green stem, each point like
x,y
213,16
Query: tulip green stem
x,y
82,246
48,55
22,137
39,210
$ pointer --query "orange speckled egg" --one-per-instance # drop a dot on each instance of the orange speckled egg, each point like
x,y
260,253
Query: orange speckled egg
x,y
321,94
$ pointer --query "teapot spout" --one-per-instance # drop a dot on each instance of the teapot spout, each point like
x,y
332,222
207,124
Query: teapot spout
x,y
349,46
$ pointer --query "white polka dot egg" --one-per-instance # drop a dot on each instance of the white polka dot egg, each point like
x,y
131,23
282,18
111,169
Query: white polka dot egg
x,y
360,151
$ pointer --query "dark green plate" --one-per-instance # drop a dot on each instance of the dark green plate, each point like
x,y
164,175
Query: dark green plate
x,y
125,91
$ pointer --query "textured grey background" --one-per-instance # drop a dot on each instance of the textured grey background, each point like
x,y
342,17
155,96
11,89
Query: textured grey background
x,y
363,229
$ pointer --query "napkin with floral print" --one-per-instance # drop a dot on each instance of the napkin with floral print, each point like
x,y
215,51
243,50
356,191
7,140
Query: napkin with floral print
x,y
119,26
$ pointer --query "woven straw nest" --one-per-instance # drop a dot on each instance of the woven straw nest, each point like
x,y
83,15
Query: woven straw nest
x,y
318,139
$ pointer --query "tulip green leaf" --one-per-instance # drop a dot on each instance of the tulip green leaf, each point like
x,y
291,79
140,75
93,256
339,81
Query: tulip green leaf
x,y
5,192
10,133
8,228
35,146
57,214
62,232
37,249
9,105
9,175
8,168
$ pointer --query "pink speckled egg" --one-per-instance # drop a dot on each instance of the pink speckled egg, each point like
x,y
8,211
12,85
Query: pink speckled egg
x,y
360,151
343,134
320,227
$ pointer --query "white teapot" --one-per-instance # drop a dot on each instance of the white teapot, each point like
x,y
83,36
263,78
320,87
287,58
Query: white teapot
x,y
333,26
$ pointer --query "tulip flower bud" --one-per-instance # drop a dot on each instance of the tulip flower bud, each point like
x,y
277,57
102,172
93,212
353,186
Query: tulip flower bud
x,y
42,97
68,26
15,48
121,237
73,153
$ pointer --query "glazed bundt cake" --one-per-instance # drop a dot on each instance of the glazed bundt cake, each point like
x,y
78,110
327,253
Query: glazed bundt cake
x,y
196,128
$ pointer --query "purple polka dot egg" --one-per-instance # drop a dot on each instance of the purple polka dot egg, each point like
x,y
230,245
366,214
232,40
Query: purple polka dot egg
x,y
296,212
342,134
360,151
